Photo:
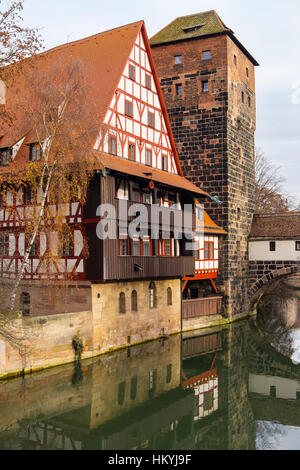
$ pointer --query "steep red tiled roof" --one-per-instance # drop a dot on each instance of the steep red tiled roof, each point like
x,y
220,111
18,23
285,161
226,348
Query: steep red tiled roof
x,y
128,167
103,58
276,226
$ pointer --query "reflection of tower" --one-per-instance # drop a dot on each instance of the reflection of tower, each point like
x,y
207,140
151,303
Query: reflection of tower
x,y
208,81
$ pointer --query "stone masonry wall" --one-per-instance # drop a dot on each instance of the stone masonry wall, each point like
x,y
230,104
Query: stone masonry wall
x,y
48,338
262,272
214,135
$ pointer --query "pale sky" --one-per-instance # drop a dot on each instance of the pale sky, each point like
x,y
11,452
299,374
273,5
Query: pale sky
x,y
269,29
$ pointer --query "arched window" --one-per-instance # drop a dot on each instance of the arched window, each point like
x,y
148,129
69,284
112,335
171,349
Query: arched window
x,y
169,296
152,295
122,303
25,303
134,303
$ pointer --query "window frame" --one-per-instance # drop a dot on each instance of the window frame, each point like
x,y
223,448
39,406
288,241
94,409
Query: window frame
x,y
112,138
127,246
148,151
130,146
132,76
122,303
148,81
210,251
164,158
129,112
151,119
4,244
178,87
34,146
204,84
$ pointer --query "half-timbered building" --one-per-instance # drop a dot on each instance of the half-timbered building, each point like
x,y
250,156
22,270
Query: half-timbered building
x,y
132,285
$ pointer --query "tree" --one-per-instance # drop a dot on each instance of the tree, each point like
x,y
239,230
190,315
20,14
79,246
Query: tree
x,y
269,195
61,127
16,43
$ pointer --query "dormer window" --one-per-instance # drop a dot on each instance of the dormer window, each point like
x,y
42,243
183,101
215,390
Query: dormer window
x,y
35,152
5,156
206,55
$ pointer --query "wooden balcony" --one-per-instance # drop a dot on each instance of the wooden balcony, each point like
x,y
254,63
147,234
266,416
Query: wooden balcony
x,y
196,308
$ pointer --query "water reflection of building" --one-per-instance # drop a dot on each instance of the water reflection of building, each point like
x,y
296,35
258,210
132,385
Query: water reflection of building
x,y
188,393
206,383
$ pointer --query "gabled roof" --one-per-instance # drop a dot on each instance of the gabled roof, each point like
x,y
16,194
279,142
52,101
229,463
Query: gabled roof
x,y
284,225
103,58
196,26
127,167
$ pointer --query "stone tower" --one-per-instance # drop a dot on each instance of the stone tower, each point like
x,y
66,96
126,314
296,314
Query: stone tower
x,y
208,81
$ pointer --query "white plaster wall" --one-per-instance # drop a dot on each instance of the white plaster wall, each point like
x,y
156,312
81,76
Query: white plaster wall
x,y
285,251
285,388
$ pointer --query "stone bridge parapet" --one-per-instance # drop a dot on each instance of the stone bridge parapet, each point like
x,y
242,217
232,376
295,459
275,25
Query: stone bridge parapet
x,y
262,272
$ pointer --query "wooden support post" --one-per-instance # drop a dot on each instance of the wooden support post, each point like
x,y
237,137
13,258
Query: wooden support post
x,y
214,286
184,285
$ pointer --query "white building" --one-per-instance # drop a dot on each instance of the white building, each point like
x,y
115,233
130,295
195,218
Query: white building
x,y
275,237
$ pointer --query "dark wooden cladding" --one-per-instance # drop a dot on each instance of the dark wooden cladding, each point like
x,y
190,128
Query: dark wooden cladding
x,y
104,262
93,198
122,267
202,307
94,261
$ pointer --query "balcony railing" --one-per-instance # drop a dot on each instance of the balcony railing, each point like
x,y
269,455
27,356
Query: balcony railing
x,y
196,308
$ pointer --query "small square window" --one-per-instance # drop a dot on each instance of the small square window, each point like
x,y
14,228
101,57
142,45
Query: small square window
x,y
272,246
148,81
206,55
131,152
123,250
179,89
149,157
151,120
178,59
132,72
112,145
129,108
205,86
164,163
35,152
297,246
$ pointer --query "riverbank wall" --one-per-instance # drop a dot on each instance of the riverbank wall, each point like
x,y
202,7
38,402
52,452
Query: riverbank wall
x,y
46,341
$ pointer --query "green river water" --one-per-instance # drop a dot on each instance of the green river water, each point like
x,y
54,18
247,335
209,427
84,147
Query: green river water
x,y
235,388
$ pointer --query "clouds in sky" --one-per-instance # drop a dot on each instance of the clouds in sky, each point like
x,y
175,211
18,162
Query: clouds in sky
x,y
268,29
